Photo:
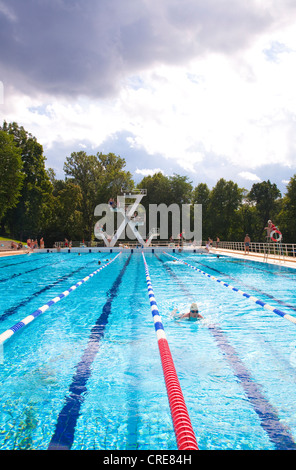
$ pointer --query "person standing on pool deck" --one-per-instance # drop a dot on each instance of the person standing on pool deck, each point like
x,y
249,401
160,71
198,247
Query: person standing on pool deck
x,y
247,243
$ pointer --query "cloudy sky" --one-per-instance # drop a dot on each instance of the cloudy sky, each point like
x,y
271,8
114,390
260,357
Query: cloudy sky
x,y
199,88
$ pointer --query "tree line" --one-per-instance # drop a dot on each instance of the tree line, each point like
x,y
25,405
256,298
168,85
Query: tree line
x,y
34,203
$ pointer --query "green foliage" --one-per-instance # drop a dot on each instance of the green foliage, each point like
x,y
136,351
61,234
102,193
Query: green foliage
x,y
65,219
85,171
264,195
287,212
225,200
167,190
28,217
158,189
99,177
11,174
201,195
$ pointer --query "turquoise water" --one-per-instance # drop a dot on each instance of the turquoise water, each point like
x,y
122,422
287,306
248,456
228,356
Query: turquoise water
x,y
86,374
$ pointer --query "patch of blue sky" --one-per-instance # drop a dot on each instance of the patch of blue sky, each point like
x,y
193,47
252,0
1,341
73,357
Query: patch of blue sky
x,y
275,50
136,82
42,110
195,78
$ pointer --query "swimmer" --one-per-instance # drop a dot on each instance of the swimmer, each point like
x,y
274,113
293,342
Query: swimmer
x,y
192,315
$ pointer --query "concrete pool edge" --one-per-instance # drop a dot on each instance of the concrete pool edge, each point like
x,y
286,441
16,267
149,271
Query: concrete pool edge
x,y
284,261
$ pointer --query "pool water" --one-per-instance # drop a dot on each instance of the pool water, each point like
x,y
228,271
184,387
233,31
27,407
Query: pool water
x,y
87,374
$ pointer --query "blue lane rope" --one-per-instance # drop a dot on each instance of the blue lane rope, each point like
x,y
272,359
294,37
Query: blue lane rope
x,y
159,329
12,310
281,302
8,333
244,294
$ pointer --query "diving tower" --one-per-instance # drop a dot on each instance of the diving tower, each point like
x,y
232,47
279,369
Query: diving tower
x,y
130,217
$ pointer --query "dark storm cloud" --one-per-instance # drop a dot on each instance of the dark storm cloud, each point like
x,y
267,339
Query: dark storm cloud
x,y
73,47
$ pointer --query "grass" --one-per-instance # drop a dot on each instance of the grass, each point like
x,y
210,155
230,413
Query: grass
x,y
8,240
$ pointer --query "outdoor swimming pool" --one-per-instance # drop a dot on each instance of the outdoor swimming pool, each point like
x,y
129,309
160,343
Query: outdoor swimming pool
x,y
86,374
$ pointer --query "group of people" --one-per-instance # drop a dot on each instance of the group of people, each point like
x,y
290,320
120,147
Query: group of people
x,y
33,244
68,243
16,246
209,243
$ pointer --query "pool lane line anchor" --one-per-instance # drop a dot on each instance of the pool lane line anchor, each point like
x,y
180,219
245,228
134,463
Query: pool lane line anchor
x,y
8,333
182,425
244,294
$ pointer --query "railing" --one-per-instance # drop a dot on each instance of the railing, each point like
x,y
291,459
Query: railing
x,y
272,248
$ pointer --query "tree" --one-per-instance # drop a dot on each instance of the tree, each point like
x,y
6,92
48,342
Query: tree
x,y
99,177
158,189
65,220
165,190
180,189
114,177
225,200
85,171
287,215
28,217
201,195
11,175
247,221
264,195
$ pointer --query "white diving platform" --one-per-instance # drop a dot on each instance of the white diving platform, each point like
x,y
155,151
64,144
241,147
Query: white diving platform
x,y
130,216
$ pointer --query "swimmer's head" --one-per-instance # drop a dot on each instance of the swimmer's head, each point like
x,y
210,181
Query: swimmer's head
x,y
193,308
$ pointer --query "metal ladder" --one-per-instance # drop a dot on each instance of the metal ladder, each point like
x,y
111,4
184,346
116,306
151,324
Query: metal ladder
x,y
280,251
277,246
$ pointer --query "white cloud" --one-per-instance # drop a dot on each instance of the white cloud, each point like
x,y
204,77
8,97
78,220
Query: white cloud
x,y
147,171
7,12
239,106
247,175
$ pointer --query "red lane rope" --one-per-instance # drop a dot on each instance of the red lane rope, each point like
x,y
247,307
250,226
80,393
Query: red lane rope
x,y
182,425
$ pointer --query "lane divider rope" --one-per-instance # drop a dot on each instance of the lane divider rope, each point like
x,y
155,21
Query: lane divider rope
x,y
182,425
244,294
21,324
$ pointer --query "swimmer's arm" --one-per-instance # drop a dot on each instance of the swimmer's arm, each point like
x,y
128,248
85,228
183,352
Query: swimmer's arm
x,y
174,314
185,315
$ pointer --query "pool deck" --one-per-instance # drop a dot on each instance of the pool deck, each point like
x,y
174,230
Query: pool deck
x,y
286,261
12,252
